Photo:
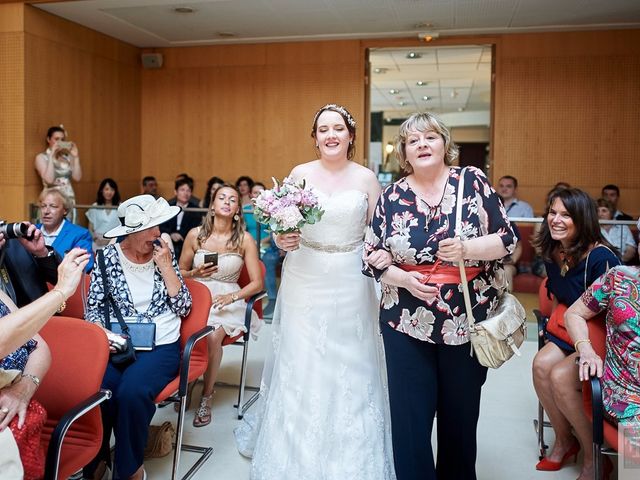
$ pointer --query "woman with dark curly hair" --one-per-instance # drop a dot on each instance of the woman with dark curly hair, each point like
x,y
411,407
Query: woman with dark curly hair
x,y
575,254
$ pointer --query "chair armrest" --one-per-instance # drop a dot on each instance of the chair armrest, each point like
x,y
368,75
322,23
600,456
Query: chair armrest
x,y
597,409
60,431
542,326
247,313
185,363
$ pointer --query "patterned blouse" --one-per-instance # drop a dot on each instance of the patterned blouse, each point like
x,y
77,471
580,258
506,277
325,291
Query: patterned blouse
x,y
18,359
618,292
160,299
410,229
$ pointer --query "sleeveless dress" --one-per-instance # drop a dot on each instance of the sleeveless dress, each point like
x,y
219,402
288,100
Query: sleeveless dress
x,y
323,412
61,176
225,281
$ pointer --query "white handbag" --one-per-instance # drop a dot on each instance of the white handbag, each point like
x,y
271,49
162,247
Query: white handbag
x,y
496,339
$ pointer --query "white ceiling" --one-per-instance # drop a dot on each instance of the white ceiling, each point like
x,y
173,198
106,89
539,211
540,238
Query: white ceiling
x,y
457,78
154,23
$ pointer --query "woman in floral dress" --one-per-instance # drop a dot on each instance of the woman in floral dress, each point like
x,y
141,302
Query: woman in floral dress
x,y
618,292
425,328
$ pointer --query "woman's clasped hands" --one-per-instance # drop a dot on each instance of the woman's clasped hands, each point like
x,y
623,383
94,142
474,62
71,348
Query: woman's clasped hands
x,y
288,241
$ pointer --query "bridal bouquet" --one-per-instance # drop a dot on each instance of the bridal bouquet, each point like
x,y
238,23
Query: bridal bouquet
x,y
287,206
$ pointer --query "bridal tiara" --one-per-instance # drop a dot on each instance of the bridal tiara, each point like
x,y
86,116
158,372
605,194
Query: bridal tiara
x,y
338,108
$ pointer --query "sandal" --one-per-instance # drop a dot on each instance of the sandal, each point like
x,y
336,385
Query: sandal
x,y
176,406
203,414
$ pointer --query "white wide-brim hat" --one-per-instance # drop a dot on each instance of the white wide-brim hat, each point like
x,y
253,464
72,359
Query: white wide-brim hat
x,y
141,213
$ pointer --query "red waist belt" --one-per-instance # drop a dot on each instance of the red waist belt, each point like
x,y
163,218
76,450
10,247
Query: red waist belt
x,y
438,273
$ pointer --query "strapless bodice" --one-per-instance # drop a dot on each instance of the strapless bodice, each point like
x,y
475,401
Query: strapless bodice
x,y
343,222
229,266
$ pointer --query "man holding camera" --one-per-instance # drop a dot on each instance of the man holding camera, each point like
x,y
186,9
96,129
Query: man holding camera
x,y
26,263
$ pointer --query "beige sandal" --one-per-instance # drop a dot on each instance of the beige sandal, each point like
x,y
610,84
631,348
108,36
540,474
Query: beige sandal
x,y
203,414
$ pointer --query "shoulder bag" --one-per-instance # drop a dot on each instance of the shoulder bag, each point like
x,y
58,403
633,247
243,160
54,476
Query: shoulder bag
x,y
139,336
496,339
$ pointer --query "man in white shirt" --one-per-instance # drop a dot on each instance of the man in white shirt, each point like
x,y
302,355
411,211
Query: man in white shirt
x,y
507,187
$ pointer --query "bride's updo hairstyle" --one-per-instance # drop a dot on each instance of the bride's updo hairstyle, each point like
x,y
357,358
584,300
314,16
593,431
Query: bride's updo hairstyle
x,y
349,121
238,227
424,122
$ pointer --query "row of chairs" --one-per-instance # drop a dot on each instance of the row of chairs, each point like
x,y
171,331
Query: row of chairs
x,y
70,392
604,432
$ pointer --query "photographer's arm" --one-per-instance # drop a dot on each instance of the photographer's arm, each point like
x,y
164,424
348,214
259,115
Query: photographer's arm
x,y
76,169
44,167
46,258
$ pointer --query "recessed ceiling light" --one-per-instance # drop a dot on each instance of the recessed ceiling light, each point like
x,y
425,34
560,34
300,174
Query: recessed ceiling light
x,y
380,70
413,55
420,83
183,10
461,109
394,91
402,104
426,98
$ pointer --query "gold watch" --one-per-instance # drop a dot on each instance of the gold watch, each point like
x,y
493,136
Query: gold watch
x,y
234,297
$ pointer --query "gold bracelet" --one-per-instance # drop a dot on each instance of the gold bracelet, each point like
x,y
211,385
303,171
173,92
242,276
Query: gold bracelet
x,y
63,305
578,342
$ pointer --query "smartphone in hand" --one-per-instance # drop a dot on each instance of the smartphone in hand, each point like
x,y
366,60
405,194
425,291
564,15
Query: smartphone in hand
x,y
211,258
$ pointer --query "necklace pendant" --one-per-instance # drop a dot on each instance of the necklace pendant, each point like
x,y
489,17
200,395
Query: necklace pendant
x,y
564,269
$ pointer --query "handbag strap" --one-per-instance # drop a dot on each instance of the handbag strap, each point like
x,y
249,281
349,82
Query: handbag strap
x,y
107,293
463,273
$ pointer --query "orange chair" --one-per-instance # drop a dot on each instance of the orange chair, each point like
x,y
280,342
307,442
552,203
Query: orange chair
x,y
193,363
542,313
70,392
603,430
526,282
242,340
77,301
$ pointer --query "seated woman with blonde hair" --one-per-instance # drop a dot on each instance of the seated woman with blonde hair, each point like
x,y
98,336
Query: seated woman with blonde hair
x,y
222,237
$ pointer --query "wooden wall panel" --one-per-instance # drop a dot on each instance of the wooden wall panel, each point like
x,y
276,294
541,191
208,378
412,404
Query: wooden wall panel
x,y
242,110
90,83
566,108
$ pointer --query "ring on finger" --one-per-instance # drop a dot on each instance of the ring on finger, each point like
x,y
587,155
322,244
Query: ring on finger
x,y
4,410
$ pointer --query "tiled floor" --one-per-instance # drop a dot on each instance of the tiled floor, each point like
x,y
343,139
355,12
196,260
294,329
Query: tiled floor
x,y
507,443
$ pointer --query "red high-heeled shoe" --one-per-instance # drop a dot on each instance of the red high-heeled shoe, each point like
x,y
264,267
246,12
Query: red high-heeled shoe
x,y
547,465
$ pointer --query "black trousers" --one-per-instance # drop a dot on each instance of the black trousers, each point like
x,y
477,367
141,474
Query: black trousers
x,y
425,378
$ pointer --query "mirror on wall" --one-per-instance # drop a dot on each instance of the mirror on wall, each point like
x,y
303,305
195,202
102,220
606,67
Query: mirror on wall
x,y
452,82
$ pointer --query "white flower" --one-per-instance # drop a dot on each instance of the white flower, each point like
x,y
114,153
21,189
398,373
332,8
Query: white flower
x,y
288,218
448,200
401,223
455,331
401,249
389,296
419,325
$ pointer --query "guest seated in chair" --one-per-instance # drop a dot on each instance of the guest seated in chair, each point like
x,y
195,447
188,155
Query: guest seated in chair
x,y
575,254
619,236
214,254
140,278
24,360
58,232
618,293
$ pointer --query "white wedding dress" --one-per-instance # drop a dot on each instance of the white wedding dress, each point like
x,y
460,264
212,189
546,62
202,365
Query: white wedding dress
x,y
323,412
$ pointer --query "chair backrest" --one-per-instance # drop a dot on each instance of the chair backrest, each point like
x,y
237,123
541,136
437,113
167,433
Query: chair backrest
x,y
75,303
79,356
244,279
198,316
528,252
545,304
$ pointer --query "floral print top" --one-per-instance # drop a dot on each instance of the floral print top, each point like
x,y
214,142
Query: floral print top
x,y
17,359
160,300
617,292
410,229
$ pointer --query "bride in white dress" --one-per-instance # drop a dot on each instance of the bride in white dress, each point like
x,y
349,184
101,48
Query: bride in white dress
x,y
323,412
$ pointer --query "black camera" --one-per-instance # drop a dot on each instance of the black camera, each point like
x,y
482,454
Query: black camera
x,y
15,230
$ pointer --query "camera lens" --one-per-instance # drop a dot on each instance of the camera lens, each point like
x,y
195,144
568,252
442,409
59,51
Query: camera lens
x,y
15,230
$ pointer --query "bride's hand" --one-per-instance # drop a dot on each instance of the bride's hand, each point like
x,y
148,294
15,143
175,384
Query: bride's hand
x,y
288,241
379,259
413,283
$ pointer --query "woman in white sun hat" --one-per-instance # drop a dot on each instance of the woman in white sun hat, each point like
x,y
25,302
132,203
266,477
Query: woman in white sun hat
x,y
139,279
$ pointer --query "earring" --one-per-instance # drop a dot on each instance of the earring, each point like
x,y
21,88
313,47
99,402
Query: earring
x,y
350,142
236,217
317,146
